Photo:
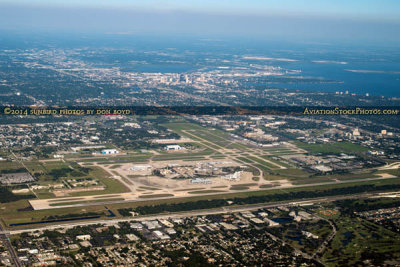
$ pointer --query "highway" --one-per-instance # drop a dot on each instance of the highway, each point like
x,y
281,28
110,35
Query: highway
x,y
222,210
6,241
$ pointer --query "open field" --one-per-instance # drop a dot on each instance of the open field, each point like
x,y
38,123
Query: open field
x,y
341,147
86,202
55,176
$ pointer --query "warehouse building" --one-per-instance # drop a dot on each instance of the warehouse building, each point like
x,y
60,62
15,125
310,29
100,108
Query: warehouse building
x,y
109,151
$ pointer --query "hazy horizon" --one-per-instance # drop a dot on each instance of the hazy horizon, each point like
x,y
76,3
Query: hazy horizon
x,y
373,21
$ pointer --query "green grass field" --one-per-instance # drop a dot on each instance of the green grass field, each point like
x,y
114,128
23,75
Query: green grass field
x,y
10,215
279,162
292,173
156,196
213,138
112,186
205,191
10,165
245,159
337,148
263,163
356,236
86,201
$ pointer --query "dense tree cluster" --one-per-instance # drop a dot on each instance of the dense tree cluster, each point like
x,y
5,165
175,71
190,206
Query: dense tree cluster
x,y
7,196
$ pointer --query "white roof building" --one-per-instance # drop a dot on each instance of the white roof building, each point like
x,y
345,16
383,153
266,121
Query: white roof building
x,y
83,237
322,168
151,224
173,147
109,151
234,176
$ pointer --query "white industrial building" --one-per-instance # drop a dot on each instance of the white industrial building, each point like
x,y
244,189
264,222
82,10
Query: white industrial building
x,y
322,168
173,147
270,222
161,235
152,225
83,237
233,177
109,151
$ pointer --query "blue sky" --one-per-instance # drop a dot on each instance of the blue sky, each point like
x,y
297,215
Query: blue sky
x,y
348,20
